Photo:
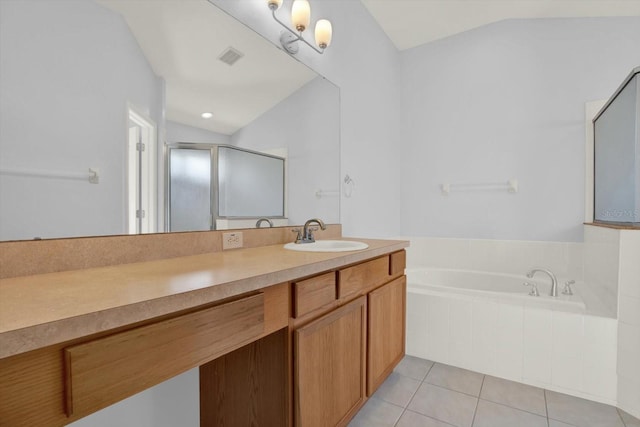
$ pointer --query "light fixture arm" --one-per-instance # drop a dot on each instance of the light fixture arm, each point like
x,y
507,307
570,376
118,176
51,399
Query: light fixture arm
x,y
298,36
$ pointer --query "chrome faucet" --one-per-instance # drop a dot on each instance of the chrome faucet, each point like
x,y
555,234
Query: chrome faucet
x,y
554,281
261,220
307,232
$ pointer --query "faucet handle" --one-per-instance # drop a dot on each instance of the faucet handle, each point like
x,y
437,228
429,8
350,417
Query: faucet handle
x,y
567,287
534,289
309,237
299,235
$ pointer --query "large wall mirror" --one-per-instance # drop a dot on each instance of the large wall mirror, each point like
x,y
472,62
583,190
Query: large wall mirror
x,y
93,91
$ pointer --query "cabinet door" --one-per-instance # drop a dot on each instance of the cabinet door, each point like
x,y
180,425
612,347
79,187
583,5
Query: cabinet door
x,y
386,327
329,367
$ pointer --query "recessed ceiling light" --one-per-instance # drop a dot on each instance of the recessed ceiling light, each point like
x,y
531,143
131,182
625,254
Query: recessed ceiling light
x,y
206,115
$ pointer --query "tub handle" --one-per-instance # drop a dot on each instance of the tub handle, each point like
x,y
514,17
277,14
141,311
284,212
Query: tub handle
x,y
534,289
567,287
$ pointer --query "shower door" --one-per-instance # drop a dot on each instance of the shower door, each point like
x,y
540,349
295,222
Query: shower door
x,y
190,189
207,183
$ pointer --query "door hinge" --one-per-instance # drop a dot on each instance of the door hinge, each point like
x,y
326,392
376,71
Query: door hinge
x,y
140,213
140,146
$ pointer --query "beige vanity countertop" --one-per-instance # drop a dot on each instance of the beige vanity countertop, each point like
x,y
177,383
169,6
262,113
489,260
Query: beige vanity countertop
x,y
46,309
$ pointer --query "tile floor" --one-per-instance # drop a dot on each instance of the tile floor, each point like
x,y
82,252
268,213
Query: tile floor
x,y
420,393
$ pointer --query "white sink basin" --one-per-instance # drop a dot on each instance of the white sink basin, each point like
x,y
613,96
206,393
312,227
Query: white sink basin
x,y
327,246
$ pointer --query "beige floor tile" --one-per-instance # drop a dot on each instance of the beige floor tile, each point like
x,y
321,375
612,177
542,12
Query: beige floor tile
x,y
581,412
413,419
377,413
455,379
444,405
491,414
414,367
515,395
397,389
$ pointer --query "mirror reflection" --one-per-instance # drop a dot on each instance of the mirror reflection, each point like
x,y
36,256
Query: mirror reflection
x,y
92,93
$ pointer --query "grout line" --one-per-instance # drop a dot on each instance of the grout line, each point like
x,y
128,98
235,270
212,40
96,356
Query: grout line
x,y
546,407
481,386
404,409
430,368
400,417
514,408
620,415
450,389
475,411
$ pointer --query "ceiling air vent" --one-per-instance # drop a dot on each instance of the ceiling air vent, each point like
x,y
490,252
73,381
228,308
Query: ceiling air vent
x,y
230,56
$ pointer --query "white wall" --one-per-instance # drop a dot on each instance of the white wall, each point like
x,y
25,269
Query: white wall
x,y
363,62
173,403
178,132
65,109
307,125
507,101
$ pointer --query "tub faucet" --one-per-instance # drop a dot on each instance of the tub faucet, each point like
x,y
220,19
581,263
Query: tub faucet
x,y
261,220
307,232
554,281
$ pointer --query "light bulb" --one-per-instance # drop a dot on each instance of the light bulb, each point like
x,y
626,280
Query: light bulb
x,y
300,14
274,4
323,33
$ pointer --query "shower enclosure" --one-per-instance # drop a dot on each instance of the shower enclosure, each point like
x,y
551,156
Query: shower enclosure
x,y
617,156
207,183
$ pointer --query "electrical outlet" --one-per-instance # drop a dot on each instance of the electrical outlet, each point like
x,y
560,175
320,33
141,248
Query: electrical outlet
x,y
232,240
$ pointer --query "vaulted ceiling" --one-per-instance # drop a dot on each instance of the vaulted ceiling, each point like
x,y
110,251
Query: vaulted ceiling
x,y
410,23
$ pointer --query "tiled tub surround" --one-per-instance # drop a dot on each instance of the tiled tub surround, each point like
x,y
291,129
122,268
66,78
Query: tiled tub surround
x,y
629,322
420,393
567,352
498,287
592,354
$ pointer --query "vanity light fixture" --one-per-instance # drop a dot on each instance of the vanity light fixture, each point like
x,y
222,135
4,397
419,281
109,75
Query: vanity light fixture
x,y
206,115
300,18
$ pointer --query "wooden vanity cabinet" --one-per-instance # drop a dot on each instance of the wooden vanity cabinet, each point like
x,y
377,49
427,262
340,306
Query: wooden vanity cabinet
x,y
386,331
56,385
304,353
345,353
329,367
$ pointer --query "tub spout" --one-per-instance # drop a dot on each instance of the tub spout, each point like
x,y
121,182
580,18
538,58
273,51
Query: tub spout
x,y
554,281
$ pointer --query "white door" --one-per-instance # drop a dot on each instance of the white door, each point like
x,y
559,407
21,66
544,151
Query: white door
x,y
141,175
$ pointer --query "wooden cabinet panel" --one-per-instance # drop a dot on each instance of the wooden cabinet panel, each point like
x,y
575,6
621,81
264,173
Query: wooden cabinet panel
x,y
249,386
329,367
311,294
106,370
397,263
362,277
386,329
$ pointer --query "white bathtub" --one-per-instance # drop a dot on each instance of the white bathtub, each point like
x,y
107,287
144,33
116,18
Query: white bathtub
x,y
494,286
487,322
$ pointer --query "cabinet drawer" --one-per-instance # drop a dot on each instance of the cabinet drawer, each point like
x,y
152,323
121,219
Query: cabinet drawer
x,y
358,278
313,293
106,370
397,263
